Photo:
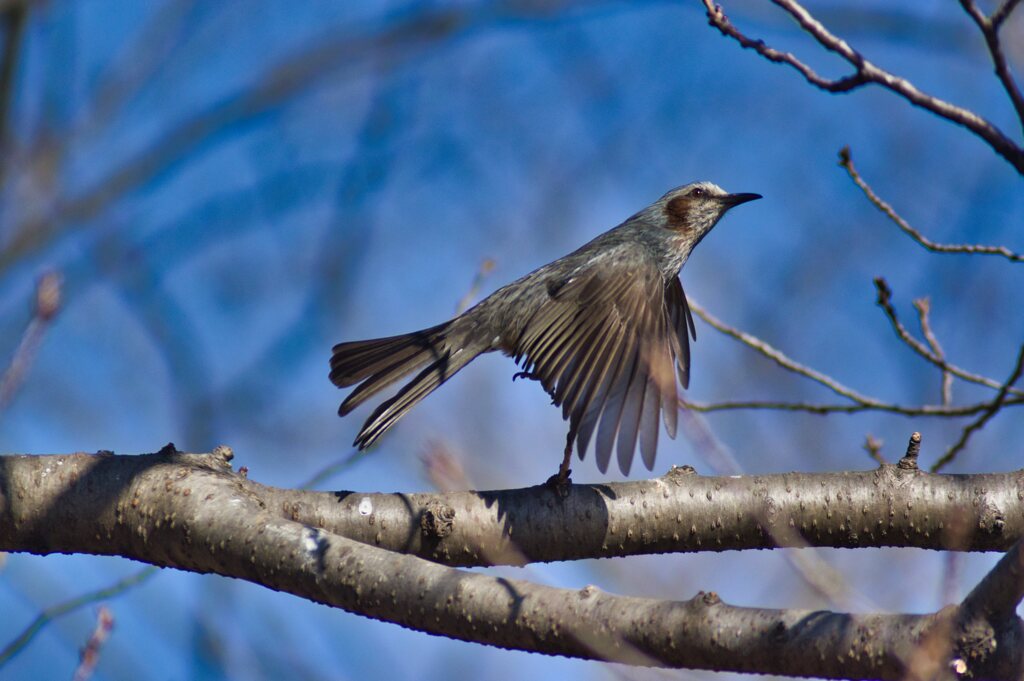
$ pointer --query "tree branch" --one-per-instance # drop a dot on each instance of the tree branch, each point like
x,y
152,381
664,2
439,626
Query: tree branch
x,y
192,512
73,497
865,72
989,28
885,302
994,407
860,401
846,161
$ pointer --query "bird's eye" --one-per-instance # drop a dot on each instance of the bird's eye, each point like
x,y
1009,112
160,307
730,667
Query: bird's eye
x,y
698,192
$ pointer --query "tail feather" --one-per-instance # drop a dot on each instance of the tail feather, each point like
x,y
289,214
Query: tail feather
x,y
352,362
378,363
425,382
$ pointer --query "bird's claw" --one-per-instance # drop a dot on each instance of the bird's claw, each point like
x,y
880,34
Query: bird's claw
x,y
561,483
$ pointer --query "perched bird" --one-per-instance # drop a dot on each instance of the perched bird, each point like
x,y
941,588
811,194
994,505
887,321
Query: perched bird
x,y
604,329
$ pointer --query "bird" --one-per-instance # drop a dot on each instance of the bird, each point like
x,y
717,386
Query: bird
x,y
605,330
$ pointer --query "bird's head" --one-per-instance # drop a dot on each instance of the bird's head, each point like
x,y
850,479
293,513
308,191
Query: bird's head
x,y
692,210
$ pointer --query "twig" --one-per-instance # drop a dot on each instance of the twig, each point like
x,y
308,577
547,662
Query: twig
x,y
993,408
861,402
22,640
14,21
865,72
923,307
91,652
885,302
46,306
821,409
332,468
779,357
846,161
873,447
989,27
486,267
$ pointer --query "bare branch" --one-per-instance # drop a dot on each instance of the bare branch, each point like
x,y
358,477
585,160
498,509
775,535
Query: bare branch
x,y
677,512
923,307
846,162
90,655
822,409
861,402
998,594
990,30
226,524
866,72
993,408
486,267
873,447
13,19
22,640
1002,12
781,358
47,304
885,302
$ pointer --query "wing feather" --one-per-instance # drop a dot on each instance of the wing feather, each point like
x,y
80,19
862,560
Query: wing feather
x,y
608,346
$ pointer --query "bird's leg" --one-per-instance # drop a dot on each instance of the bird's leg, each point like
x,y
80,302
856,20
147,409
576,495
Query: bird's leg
x,y
560,480
525,374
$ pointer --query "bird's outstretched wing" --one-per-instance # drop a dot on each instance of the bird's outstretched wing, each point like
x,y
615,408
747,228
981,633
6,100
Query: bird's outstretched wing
x,y
607,346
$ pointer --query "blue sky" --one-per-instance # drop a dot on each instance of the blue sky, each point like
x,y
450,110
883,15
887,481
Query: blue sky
x,y
269,179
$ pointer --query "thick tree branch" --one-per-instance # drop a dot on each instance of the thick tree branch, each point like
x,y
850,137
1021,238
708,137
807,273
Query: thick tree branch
x,y
192,512
66,503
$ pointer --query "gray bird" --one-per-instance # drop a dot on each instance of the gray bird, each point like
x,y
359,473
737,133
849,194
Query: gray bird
x,y
604,329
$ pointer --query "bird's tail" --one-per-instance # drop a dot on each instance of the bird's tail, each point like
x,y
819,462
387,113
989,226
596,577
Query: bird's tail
x,y
375,364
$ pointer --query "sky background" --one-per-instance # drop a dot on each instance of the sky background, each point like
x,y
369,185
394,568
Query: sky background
x,y
230,188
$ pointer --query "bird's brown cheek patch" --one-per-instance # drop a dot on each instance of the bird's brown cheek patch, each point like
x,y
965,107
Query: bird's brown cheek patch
x,y
677,211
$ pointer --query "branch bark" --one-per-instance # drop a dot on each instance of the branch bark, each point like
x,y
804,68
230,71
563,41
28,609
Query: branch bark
x,y
192,512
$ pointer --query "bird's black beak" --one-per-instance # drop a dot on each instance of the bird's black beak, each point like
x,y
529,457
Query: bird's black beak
x,y
730,200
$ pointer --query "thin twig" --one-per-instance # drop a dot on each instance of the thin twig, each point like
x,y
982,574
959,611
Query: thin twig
x,y
990,30
90,655
779,357
885,302
14,20
873,447
46,306
486,267
1002,12
861,402
866,72
846,161
923,307
821,409
21,641
993,408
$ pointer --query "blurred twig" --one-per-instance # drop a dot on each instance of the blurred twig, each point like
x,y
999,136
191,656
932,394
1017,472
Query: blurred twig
x,y
486,267
846,162
991,410
866,72
49,614
873,447
333,468
13,19
91,652
47,304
